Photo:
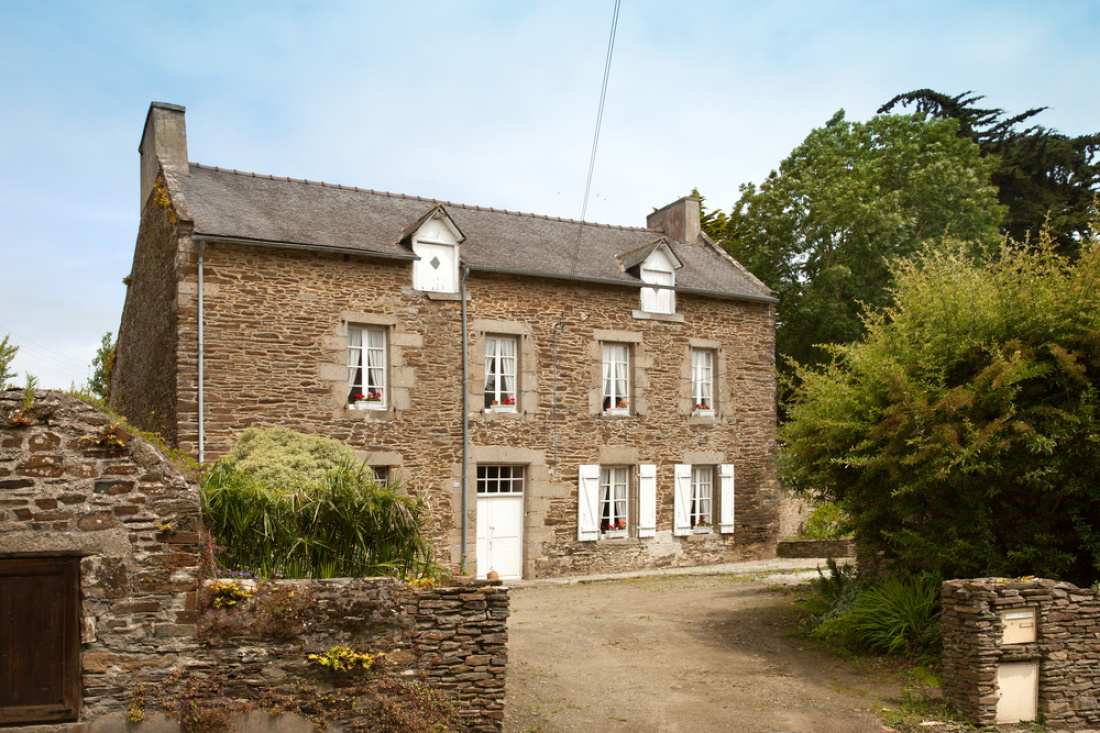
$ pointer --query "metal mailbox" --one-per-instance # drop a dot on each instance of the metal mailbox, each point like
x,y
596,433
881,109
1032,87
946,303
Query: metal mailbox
x,y
1019,626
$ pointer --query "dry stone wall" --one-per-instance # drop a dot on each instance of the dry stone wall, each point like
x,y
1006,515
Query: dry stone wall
x,y
73,483
1066,647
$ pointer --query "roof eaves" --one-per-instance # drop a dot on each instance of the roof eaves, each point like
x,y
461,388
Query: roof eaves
x,y
214,238
724,294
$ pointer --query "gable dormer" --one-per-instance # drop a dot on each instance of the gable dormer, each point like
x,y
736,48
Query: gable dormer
x,y
434,238
655,264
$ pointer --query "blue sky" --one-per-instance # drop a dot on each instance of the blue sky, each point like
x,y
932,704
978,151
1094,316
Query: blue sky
x,y
483,102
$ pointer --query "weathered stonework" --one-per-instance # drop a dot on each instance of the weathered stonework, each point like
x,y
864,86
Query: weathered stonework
x,y
73,484
256,345
1067,647
288,267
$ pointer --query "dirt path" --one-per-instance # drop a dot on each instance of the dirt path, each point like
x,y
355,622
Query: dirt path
x,y
690,654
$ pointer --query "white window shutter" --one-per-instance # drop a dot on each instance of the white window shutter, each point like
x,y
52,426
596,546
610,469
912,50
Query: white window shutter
x,y
647,500
681,499
588,503
725,498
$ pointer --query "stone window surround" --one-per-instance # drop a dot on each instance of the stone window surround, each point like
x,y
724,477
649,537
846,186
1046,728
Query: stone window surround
x,y
400,379
526,370
613,456
389,461
539,489
721,395
637,373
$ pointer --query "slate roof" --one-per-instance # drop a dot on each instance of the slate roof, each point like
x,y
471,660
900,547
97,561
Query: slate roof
x,y
282,211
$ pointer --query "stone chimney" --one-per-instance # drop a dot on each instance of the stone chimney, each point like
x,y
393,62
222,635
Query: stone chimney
x,y
679,220
163,145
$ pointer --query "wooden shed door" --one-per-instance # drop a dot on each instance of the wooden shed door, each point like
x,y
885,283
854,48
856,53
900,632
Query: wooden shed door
x,y
39,640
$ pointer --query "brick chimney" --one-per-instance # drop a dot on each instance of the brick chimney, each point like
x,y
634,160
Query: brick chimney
x,y
163,145
679,220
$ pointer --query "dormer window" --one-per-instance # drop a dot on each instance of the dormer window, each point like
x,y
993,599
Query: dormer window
x,y
435,239
659,268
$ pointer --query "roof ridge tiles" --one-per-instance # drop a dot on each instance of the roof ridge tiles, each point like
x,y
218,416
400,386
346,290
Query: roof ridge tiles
x,y
410,197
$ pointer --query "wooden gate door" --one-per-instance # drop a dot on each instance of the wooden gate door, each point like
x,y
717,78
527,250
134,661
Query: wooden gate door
x,y
39,640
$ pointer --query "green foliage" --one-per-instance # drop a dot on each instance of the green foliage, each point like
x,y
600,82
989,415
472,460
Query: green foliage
x,y
28,392
104,363
963,433
1044,178
412,708
827,522
833,597
7,355
347,525
286,460
899,615
852,198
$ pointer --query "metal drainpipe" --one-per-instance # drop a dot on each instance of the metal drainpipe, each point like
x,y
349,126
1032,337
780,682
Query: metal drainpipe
x,y
465,421
202,431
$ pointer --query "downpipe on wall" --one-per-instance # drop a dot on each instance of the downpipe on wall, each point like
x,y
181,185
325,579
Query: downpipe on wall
x,y
202,431
465,421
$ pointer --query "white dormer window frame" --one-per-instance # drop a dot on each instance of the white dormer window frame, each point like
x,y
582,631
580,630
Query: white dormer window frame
x,y
659,268
436,244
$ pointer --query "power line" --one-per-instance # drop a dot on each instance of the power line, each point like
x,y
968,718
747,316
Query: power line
x,y
596,136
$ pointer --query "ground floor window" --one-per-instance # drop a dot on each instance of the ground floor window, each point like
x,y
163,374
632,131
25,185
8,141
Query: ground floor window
x,y
702,497
614,485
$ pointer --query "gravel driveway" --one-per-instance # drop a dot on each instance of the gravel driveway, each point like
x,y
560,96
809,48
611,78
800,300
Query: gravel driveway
x,y
676,653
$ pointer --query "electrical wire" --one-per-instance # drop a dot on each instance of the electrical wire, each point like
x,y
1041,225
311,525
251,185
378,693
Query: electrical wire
x,y
596,135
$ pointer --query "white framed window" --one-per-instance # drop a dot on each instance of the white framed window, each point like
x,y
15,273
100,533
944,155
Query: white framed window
x,y
616,379
702,495
499,480
658,300
614,490
436,244
702,382
501,373
695,493
381,475
367,368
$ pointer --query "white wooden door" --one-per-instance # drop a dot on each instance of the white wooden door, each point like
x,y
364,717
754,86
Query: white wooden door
x,y
500,535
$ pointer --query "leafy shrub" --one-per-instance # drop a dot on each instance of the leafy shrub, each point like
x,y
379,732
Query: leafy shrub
x,y
346,525
833,597
900,615
286,460
827,522
961,432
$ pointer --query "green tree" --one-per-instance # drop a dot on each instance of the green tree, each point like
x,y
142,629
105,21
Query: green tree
x,y
1044,178
853,197
104,363
7,355
962,432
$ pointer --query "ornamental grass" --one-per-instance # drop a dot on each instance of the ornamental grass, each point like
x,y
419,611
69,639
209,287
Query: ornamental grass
x,y
345,525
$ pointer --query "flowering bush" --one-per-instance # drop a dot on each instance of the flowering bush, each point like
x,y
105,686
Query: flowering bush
x,y
702,406
622,404
619,526
702,523
370,396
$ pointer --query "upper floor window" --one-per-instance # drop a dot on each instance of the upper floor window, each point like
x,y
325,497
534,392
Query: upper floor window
x,y
500,373
659,268
616,379
436,242
367,368
702,381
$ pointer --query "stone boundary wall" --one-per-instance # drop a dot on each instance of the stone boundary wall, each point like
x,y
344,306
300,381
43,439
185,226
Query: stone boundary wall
x,y
1067,647
452,638
73,483
816,548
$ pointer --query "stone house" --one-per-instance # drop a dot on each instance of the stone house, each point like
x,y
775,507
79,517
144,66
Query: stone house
x,y
613,407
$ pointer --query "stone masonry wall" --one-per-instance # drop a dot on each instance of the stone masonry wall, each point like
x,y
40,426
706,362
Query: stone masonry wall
x,y
144,376
1067,647
275,354
72,483
452,638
